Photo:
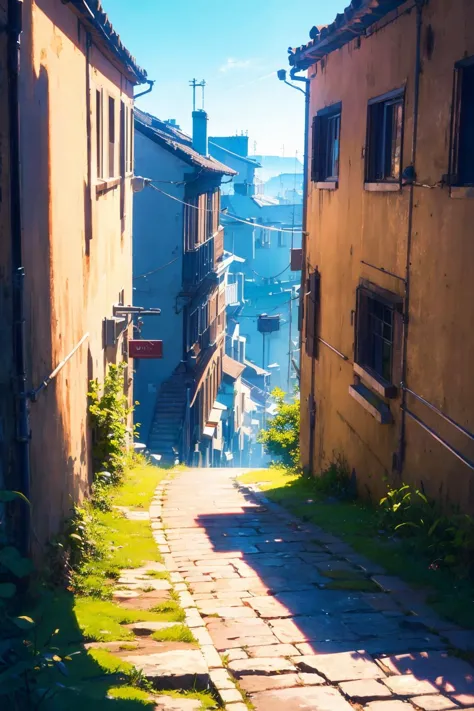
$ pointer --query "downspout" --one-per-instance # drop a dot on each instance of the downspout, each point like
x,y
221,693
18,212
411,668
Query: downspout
x,y
304,252
416,96
22,424
147,91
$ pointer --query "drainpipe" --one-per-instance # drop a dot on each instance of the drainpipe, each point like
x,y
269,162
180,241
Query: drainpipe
x,y
22,424
416,95
147,91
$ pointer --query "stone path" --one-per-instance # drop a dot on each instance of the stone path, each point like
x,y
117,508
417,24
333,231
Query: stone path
x,y
298,618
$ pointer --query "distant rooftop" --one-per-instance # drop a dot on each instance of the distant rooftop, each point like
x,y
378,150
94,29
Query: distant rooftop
x,y
174,140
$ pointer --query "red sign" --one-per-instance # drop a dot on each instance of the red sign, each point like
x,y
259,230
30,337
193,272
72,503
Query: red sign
x,y
145,349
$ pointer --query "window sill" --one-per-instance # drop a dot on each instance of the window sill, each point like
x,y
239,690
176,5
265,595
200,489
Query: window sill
x,y
327,185
462,191
371,403
382,187
106,185
374,381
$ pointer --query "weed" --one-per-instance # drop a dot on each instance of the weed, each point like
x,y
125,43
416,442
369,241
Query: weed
x,y
177,633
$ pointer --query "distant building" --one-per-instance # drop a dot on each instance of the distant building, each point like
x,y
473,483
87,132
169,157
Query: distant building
x,y
180,266
233,151
264,240
67,224
286,187
272,166
388,347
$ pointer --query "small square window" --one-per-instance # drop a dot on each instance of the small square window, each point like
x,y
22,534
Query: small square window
x,y
384,138
326,136
379,334
462,169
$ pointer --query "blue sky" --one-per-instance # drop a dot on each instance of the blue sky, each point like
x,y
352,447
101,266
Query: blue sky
x,y
236,46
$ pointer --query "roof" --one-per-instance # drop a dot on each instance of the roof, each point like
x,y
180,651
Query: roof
x,y
353,22
245,159
232,367
256,368
177,142
97,22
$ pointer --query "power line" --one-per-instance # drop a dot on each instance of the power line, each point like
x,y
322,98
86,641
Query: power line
x,y
153,271
225,214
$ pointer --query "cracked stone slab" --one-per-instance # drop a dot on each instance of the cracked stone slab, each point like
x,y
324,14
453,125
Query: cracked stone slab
x,y
316,698
449,674
259,665
409,685
387,706
346,666
178,669
364,690
435,702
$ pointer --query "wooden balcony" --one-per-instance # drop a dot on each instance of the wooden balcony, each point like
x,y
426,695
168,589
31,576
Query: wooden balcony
x,y
198,263
218,246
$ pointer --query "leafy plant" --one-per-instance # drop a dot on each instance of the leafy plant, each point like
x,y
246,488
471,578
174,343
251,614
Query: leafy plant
x,y
109,411
336,480
282,436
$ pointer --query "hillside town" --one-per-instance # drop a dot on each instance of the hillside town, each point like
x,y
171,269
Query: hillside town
x,y
236,416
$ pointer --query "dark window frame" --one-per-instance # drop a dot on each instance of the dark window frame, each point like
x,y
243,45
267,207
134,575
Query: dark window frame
x,y
461,144
366,339
326,133
112,136
311,315
379,154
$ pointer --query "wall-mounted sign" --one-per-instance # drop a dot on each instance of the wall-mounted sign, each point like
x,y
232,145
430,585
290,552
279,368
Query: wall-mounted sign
x,y
296,259
268,324
145,349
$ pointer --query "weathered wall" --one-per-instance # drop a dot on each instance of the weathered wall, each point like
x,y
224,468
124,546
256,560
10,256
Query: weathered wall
x,y
157,241
6,325
349,225
77,247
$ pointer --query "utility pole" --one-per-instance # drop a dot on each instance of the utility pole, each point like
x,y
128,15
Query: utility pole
x,y
194,83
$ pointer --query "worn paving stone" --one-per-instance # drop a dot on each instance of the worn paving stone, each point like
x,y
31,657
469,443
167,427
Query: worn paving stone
x,y
230,695
221,679
364,690
327,601
233,654
461,639
147,628
260,665
409,685
273,650
178,669
253,683
388,706
315,628
316,698
390,583
168,703
347,666
435,702
211,656
449,674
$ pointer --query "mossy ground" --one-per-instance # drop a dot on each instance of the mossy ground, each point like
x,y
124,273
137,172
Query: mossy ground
x,y
357,524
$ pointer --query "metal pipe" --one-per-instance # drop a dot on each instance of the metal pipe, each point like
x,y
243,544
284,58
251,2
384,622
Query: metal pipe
x,y
439,439
452,422
147,91
406,310
33,394
328,345
381,269
15,8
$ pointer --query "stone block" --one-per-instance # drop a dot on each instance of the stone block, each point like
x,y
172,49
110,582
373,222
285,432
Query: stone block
x,y
316,698
346,666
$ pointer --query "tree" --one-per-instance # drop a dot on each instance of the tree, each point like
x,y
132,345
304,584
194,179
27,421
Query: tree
x,y
282,436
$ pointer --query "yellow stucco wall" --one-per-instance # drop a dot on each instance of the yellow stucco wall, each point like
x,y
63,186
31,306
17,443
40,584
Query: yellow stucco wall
x,y
350,224
77,247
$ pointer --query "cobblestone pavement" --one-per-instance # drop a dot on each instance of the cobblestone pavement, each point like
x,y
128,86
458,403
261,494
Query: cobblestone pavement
x,y
298,618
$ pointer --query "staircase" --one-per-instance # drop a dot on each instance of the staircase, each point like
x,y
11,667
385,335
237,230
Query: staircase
x,y
166,429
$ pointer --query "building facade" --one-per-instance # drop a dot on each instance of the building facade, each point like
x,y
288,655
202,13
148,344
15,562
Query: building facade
x,y
387,337
69,245
180,267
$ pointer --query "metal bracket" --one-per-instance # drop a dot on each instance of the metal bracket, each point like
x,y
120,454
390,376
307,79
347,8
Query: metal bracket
x,y
120,310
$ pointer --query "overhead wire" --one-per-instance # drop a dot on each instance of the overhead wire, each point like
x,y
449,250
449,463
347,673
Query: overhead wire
x,y
222,212
153,271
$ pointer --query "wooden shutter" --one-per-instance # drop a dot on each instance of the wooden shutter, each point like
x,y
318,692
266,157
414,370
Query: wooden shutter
x,y
397,348
316,145
361,326
312,313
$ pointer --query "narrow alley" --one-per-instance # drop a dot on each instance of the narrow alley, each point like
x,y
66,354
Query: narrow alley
x,y
298,618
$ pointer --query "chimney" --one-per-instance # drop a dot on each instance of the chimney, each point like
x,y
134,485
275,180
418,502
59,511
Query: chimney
x,y
200,132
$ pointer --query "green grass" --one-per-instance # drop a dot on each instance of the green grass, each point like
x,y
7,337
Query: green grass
x,y
177,633
97,675
356,523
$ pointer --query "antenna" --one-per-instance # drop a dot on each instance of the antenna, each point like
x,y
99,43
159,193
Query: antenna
x,y
194,83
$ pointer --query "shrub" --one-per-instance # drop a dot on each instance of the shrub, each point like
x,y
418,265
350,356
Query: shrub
x,y
282,436
336,480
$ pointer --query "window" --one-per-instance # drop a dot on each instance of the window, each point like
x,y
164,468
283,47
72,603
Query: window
x,y
130,133
111,137
281,239
379,326
326,133
123,138
384,138
312,314
99,127
264,241
462,168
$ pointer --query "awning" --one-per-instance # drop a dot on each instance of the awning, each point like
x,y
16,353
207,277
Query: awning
x,y
232,368
214,417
